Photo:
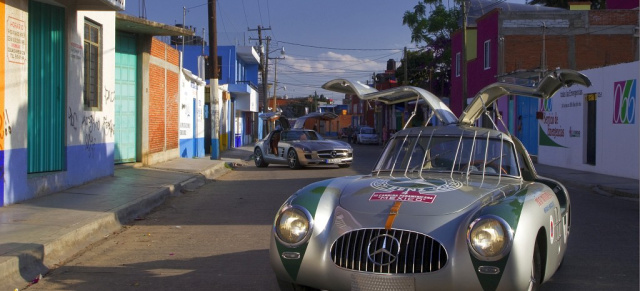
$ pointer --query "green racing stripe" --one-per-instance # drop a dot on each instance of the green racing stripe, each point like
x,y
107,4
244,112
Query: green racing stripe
x,y
510,210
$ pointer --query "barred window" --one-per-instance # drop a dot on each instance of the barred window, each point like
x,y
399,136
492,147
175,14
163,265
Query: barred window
x,y
487,52
92,64
458,65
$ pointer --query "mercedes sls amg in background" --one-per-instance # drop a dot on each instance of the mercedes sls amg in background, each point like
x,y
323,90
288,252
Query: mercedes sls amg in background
x,y
298,147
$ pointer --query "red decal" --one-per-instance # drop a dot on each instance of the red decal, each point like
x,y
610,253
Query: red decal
x,y
408,196
544,197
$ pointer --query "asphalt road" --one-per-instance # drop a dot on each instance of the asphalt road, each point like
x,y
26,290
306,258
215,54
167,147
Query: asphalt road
x,y
217,238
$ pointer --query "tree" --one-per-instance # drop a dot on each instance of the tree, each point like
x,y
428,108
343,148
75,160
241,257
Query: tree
x,y
434,32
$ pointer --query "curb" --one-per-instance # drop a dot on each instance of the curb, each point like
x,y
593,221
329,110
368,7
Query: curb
x,y
27,263
600,189
616,192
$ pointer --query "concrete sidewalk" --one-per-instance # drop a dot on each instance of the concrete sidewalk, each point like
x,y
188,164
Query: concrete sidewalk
x,y
39,234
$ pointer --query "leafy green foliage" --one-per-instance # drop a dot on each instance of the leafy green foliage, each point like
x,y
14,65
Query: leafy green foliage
x,y
430,68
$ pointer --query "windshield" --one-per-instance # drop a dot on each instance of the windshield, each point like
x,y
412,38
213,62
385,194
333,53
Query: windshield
x,y
479,155
300,135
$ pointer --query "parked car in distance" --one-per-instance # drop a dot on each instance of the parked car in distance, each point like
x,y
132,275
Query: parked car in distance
x,y
298,147
367,135
446,207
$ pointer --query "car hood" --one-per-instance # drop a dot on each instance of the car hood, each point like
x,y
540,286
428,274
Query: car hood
x,y
420,197
322,144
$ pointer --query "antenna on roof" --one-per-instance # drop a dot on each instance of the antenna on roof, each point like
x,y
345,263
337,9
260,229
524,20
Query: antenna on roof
x,y
142,9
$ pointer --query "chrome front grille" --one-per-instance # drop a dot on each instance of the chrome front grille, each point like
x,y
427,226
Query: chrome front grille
x,y
332,154
388,252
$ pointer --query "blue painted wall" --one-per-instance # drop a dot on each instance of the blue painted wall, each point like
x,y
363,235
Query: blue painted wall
x,y
85,163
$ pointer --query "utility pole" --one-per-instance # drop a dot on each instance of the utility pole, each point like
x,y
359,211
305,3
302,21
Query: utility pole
x,y
265,81
264,76
184,26
464,56
263,64
543,59
406,69
213,82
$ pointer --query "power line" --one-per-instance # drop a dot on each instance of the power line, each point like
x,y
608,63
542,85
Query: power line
x,y
244,9
341,49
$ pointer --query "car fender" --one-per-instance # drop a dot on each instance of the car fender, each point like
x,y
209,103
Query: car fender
x,y
540,216
320,199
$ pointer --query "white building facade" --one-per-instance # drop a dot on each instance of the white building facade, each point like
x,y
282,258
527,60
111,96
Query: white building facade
x,y
594,129
57,95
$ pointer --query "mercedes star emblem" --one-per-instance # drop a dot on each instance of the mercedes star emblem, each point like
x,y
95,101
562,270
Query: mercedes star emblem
x,y
383,250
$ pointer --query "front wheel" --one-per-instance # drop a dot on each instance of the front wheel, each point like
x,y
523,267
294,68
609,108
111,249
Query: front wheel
x,y
287,286
536,269
259,158
292,159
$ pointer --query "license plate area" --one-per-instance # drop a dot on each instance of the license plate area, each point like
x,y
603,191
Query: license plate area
x,y
378,282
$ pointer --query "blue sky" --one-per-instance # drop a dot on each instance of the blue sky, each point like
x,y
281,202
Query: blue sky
x,y
323,40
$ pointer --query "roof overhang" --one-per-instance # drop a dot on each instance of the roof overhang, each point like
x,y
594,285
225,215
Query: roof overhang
x,y
132,24
95,5
248,54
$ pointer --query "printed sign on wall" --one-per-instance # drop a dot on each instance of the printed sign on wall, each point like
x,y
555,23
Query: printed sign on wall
x,y
624,102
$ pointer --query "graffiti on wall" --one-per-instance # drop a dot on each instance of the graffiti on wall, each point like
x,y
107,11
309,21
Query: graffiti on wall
x,y
72,118
624,102
90,127
109,95
7,123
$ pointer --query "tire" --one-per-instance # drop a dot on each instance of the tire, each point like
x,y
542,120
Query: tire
x,y
259,158
292,159
287,286
536,269
344,165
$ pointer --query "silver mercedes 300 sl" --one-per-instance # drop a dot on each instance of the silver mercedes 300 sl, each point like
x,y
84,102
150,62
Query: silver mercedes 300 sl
x,y
447,207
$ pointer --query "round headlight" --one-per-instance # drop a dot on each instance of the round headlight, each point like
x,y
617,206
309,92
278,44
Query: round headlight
x,y
293,226
489,238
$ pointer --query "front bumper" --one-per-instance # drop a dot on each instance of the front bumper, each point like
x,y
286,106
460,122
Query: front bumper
x,y
315,267
369,140
327,157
